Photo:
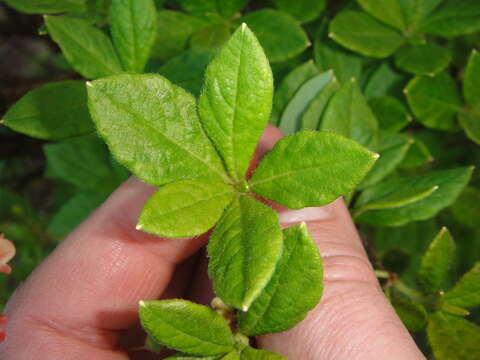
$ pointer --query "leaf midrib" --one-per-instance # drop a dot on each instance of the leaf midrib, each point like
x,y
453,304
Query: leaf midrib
x,y
187,334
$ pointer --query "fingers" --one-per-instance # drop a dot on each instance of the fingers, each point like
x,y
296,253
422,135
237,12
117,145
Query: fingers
x,y
89,287
354,320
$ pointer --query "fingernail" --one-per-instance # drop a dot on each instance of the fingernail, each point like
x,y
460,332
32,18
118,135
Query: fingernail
x,y
306,214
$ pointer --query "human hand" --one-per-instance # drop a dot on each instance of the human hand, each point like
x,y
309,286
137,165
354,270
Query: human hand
x,y
80,303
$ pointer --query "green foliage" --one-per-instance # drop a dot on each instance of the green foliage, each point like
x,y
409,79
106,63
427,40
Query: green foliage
x,y
360,32
233,108
466,291
86,47
275,309
436,261
244,250
47,6
302,10
133,26
186,326
424,59
52,112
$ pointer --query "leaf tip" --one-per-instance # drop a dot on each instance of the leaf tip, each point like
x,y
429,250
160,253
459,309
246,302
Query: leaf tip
x,y
375,156
142,303
139,226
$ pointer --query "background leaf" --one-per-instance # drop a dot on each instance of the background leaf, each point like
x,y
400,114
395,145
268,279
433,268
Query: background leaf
x,y
290,120
452,337
450,184
298,272
434,100
331,56
174,30
302,10
87,49
236,100
253,354
392,149
361,33
152,128
467,207
52,112
225,8
299,163
134,28
185,208
412,314
348,114
390,113
466,292
187,69
46,6
244,250
471,80
436,262
186,326
280,35
289,86
388,11
454,18
424,59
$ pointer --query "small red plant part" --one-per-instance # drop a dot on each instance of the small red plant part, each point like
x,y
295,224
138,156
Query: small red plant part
x,y
7,252
3,322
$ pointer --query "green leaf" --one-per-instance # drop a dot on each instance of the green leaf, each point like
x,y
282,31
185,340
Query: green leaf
x,y
174,30
46,6
466,292
73,212
83,162
392,149
316,168
289,86
384,81
418,155
331,56
454,18
185,208
187,69
467,207
387,11
413,315
452,337
435,100
394,200
310,119
390,113
87,49
470,122
298,272
152,128
249,353
348,114
187,327
450,184
361,33
244,250
207,8
471,80
134,28
280,35
186,357
290,120
52,112
210,37
236,100
415,12
436,262
424,59
302,10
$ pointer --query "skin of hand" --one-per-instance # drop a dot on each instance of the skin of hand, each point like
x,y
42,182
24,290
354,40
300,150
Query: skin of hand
x,y
79,303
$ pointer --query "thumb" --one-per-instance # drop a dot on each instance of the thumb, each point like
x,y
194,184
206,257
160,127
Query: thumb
x,y
354,320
